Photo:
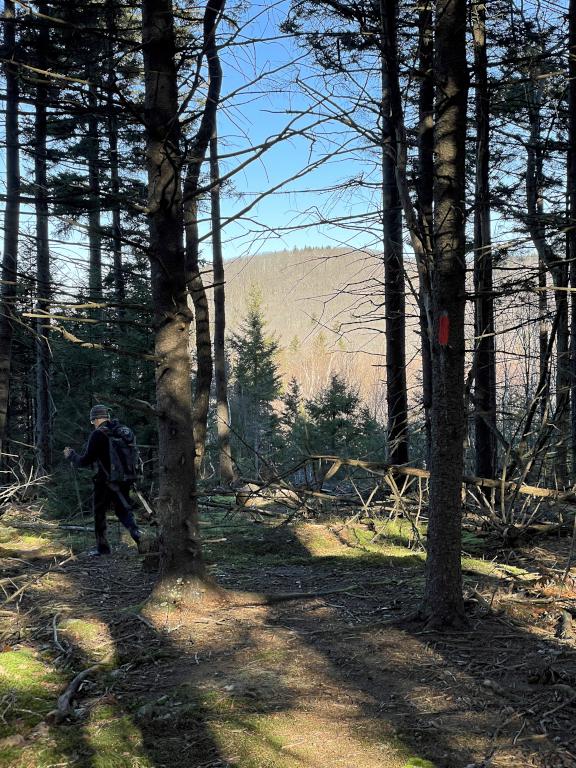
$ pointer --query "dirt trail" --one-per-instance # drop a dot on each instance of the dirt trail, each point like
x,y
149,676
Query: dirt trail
x,y
331,680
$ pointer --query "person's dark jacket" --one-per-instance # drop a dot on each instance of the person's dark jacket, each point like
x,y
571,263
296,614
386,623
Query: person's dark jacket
x,y
96,451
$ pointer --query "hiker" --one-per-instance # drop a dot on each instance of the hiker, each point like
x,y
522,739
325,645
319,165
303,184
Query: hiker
x,y
112,448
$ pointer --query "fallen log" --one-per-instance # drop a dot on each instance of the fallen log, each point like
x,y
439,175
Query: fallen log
x,y
382,469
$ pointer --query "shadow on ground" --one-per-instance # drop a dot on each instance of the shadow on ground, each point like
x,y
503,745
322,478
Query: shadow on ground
x,y
330,677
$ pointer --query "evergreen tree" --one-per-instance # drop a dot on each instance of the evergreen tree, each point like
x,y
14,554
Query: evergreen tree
x,y
333,423
293,425
256,385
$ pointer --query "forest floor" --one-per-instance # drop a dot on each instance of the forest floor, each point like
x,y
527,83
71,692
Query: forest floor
x,y
334,676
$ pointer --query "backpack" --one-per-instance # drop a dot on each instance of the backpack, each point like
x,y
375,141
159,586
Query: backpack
x,y
125,459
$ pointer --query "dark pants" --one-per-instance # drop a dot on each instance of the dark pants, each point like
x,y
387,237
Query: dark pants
x,y
104,498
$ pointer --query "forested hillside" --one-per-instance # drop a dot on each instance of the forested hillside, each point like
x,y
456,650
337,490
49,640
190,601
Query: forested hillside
x,y
320,304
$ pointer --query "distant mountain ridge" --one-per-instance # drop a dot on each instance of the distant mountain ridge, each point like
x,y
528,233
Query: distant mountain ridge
x,y
325,307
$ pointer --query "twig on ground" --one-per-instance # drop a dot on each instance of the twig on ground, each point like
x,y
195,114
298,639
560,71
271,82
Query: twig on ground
x,y
64,707
33,581
57,643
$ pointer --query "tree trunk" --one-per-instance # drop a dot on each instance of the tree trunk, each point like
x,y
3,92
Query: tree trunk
x,y
425,186
196,157
112,130
558,269
443,601
484,353
94,224
43,438
123,369
11,216
571,234
543,392
225,464
394,288
180,548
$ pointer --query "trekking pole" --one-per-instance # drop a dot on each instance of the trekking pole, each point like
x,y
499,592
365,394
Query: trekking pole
x,y
77,487
144,503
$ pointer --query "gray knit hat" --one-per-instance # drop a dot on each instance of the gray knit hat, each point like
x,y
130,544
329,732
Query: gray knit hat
x,y
99,412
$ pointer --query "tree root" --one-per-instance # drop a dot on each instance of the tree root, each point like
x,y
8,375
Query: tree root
x,y
64,706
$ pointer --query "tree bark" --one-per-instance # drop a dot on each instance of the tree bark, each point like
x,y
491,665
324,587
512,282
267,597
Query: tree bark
x,y
558,270
424,189
195,159
94,223
43,425
226,467
11,216
112,130
484,352
394,286
571,233
443,601
180,548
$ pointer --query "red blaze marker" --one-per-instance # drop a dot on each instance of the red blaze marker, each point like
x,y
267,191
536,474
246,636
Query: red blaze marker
x,y
443,329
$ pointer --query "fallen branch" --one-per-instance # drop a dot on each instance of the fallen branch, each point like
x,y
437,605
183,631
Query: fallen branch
x,y
64,706
382,470
282,597
33,581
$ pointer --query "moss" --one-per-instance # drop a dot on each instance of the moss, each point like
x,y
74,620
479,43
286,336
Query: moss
x,y
115,740
418,762
30,687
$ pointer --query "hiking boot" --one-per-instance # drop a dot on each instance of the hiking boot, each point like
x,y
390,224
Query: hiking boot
x,y
140,541
102,546
100,551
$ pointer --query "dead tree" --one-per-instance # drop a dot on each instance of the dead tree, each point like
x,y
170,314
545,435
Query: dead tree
x,y
484,351
194,162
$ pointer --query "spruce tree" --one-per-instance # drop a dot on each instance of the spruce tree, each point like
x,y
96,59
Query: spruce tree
x,y
256,386
333,419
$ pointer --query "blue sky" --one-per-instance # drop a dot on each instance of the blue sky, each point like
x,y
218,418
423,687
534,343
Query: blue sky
x,y
265,100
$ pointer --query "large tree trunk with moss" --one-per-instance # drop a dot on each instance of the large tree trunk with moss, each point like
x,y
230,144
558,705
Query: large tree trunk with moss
x,y
394,288
443,601
226,467
180,549
195,160
484,352
11,216
43,425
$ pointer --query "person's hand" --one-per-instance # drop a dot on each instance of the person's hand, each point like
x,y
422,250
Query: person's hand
x,y
67,452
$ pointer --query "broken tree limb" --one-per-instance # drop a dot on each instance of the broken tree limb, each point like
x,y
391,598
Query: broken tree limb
x,y
37,578
282,597
64,706
382,470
